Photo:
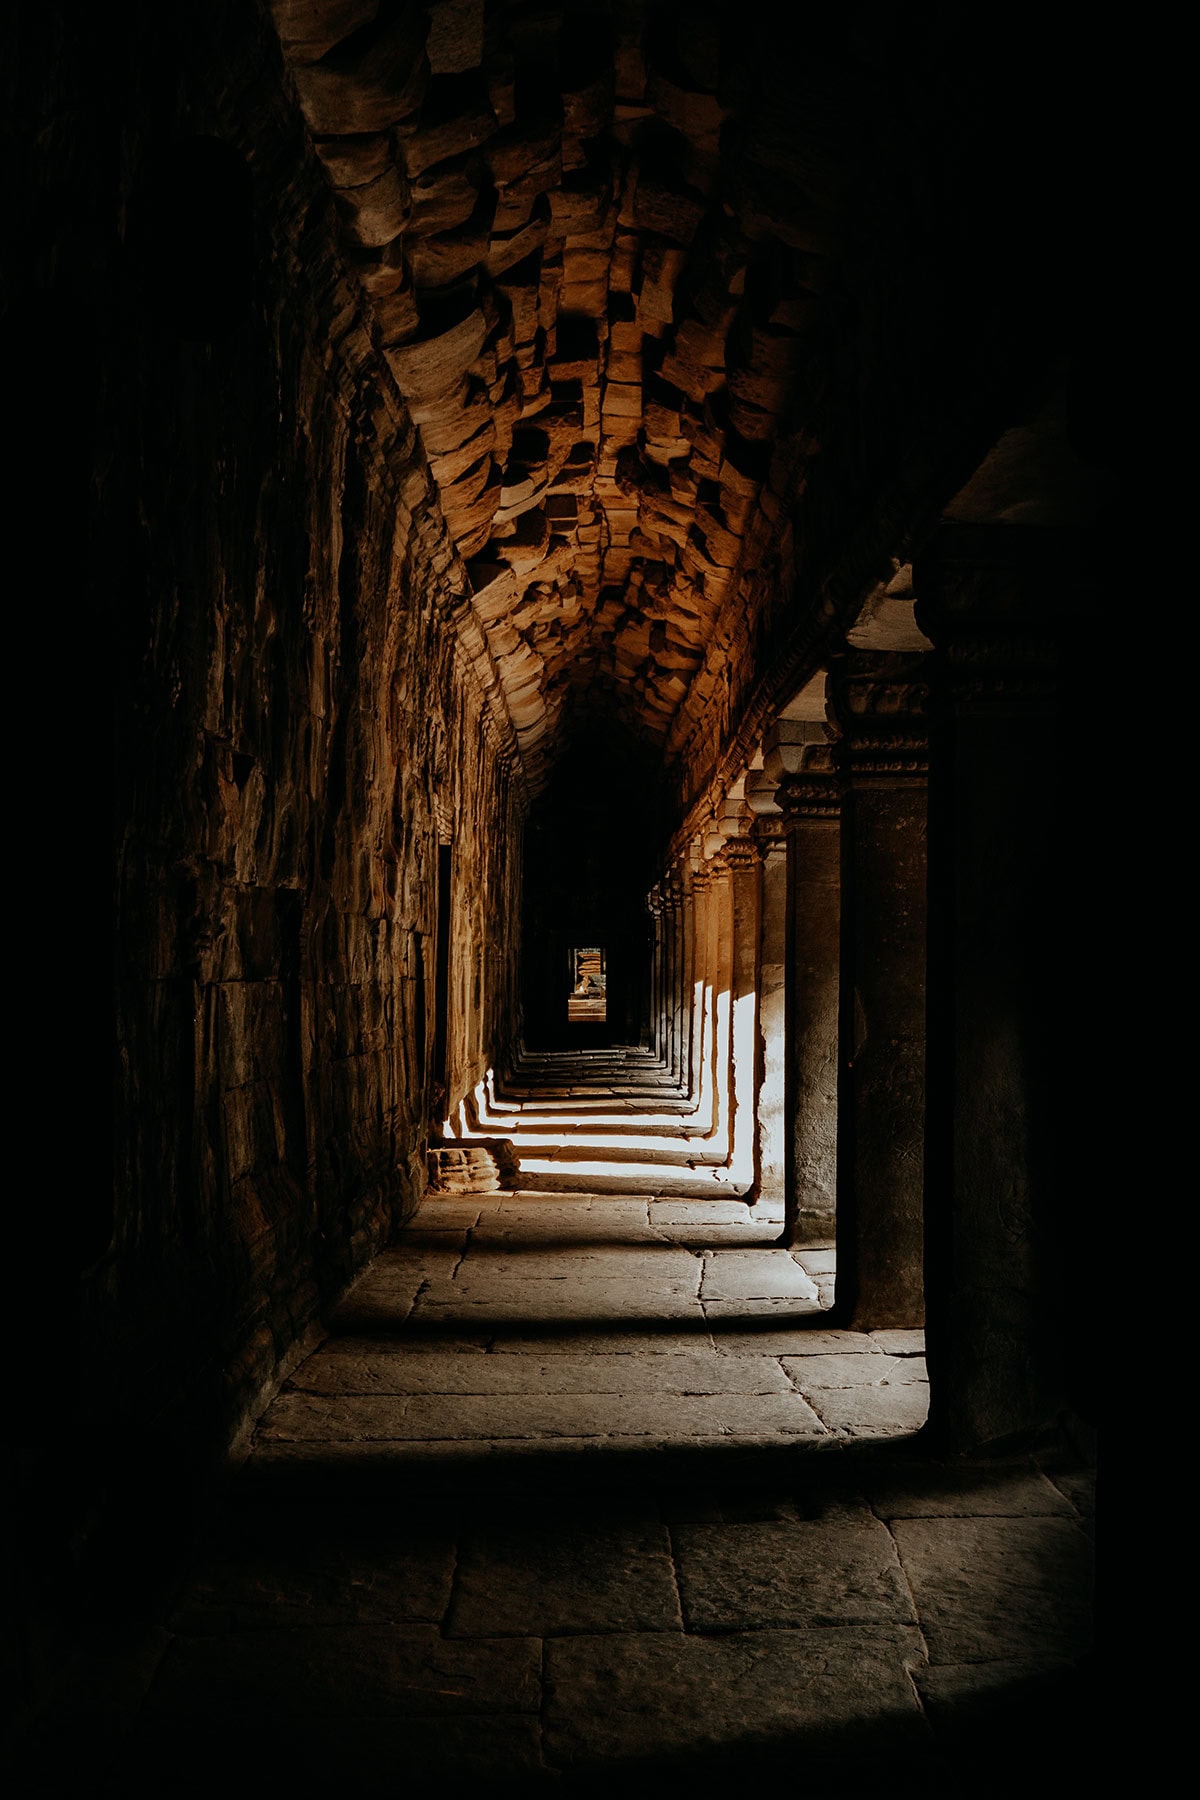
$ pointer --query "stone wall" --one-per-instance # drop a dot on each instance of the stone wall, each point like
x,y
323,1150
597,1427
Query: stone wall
x,y
291,712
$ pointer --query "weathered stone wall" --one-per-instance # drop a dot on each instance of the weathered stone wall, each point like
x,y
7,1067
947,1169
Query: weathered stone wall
x,y
290,711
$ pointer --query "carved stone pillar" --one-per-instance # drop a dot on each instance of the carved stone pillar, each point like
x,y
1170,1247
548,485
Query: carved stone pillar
x,y
687,920
772,1016
879,702
811,802
654,907
702,994
743,858
720,916
673,915
1008,1283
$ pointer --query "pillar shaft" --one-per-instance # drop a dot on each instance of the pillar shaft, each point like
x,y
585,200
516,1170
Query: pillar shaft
x,y
687,979
720,903
772,1016
657,963
743,858
702,994
812,803
878,702
1003,1264
672,900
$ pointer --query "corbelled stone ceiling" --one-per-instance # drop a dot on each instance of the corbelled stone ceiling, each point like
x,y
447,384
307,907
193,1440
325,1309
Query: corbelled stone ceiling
x,y
608,249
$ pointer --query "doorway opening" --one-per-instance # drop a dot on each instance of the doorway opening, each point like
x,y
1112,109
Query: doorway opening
x,y
587,999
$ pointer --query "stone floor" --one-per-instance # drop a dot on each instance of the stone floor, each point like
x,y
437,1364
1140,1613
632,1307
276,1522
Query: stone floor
x,y
582,1489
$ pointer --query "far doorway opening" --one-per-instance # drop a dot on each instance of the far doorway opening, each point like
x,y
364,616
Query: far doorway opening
x,y
588,997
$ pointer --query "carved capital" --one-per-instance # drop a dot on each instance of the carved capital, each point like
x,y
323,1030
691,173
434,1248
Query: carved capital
x,y
741,854
770,834
813,791
803,799
880,702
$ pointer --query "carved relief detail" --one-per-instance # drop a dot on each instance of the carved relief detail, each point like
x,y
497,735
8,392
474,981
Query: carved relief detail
x,y
881,703
741,854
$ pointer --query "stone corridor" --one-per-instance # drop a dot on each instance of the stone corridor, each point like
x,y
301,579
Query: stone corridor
x,y
568,1026
582,1488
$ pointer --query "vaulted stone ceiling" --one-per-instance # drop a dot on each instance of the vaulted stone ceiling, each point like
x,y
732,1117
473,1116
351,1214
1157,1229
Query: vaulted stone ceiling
x,y
633,265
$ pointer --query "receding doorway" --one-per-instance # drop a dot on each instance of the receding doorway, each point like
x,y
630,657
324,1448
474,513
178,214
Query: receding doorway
x,y
587,1000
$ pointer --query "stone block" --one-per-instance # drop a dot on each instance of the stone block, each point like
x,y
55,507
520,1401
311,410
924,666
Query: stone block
x,y
615,1700
922,1490
551,1576
349,1419
337,1370
871,1411
754,1274
992,1588
790,1573
318,1567
849,1369
351,1672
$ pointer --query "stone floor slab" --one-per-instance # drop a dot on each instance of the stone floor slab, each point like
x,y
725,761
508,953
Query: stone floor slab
x,y
924,1490
993,1588
754,1275
383,1307
319,1567
719,1237
864,1411
900,1343
848,1370
551,1577
578,1235
350,1418
683,1337
583,1302
597,1262
349,1671
776,1308
735,1577
1013,1715
700,1212
816,1261
662,1695
323,1754
734,1335
394,1372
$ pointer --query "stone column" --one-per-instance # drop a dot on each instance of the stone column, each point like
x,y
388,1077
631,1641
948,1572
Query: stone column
x,y
1008,1263
654,908
772,1016
672,896
718,1010
879,702
701,995
743,858
811,802
680,895
720,914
